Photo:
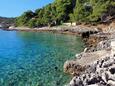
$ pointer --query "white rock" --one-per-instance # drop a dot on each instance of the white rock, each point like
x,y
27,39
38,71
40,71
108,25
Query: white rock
x,y
103,77
93,85
111,82
72,82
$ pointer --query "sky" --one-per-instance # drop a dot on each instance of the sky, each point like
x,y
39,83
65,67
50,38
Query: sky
x,y
14,8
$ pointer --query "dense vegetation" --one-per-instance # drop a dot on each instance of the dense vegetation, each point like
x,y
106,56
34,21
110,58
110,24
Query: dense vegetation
x,y
60,11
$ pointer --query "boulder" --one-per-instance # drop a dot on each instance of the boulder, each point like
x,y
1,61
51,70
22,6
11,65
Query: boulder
x,y
73,68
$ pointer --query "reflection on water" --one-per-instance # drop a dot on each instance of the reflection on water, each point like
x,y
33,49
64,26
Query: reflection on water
x,y
35,59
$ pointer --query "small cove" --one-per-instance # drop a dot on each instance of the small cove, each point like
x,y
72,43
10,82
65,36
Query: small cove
x,y
36,58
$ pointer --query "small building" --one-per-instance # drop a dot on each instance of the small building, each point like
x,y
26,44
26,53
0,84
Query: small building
x,y
70,24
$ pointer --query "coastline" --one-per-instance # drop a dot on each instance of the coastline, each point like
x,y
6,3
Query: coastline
x,y
95,66
72,30
43,29
98,40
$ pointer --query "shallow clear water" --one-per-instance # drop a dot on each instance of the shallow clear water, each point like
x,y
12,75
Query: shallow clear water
x,y
35,59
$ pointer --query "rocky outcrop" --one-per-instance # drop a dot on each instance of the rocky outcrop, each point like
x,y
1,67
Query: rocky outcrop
x,y
77,66
99,73
96,65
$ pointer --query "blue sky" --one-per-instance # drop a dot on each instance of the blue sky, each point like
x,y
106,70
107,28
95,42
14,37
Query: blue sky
x,y
13,8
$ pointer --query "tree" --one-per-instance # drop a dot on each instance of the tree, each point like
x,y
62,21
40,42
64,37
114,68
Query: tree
x,y
63,9
78,13
24,18
47,16
32,23
99,7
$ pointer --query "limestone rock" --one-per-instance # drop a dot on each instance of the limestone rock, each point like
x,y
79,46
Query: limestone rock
x,y
94,68
72,67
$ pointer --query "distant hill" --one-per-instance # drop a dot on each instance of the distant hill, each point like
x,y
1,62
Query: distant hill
x,y
6,22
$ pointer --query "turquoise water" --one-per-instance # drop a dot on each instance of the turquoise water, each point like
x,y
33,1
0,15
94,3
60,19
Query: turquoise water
x,y
35,59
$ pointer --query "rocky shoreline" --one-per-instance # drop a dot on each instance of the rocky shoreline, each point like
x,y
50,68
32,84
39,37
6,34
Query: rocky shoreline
x,y
73,30
96,65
